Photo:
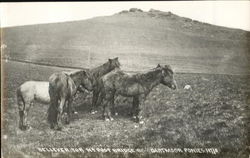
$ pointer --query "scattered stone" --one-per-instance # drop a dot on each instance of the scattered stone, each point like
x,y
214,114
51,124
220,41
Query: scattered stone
x,y
124,11
204,79
135,10
187,87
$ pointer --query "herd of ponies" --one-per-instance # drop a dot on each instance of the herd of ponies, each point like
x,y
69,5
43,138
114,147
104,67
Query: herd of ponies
x,y
105,82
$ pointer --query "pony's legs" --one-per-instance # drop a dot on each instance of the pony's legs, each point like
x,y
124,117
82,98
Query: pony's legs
x,y
52,112
111,106
139,118
24,114
100,98
21,119
69,110
94,101
112,101
105,109
109,97
21,107
138,102
59,114
135,107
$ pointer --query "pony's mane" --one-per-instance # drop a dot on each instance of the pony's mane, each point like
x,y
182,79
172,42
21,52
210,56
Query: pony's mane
x,y
71,72
168,67
100,70
75,72
148,75
165,67
100,66
153,73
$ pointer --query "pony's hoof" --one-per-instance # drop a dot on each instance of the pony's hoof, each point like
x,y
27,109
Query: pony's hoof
x,y
65,119
93,112
141,122
75,112
136,119
24,127
107,119
58,128
52,126
67,122
116,114
21,127
111,118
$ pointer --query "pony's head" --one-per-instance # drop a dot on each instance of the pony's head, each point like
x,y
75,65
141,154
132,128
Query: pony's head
x,y
114,63
167,76
86,81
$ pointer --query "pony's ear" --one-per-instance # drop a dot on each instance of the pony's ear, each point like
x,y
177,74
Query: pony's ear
x,y
158,66
169,68
163,72
110,60
116,58
83,73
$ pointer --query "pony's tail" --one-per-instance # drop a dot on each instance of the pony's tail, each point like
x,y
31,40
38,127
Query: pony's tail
x,y
101,92
52,110
67,80
52,114
20,100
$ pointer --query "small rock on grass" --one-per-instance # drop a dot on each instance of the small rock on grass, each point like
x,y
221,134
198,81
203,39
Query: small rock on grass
x,y
187,87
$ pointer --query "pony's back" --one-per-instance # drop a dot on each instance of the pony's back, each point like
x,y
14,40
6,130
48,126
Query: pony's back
x,y
58,82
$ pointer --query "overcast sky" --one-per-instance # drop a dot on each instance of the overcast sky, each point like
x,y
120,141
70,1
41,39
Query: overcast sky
x,y
235,14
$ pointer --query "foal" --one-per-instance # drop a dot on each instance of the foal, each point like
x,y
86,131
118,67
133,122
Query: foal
x,y
137,86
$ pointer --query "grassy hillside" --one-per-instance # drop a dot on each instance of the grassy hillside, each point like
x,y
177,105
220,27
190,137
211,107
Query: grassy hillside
x,y
139,39
213,114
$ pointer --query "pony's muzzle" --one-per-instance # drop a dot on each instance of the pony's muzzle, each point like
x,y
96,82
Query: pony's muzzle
x,y
174,85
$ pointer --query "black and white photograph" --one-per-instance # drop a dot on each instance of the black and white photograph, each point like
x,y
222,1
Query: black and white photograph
x,y
125,79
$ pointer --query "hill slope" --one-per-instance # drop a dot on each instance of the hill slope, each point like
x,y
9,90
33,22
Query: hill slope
x,y
140,40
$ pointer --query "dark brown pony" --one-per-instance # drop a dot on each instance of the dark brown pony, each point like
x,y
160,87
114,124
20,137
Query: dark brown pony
x,y
96,74
62,88
137,86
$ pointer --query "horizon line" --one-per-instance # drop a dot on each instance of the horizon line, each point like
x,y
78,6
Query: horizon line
x,y
84,19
